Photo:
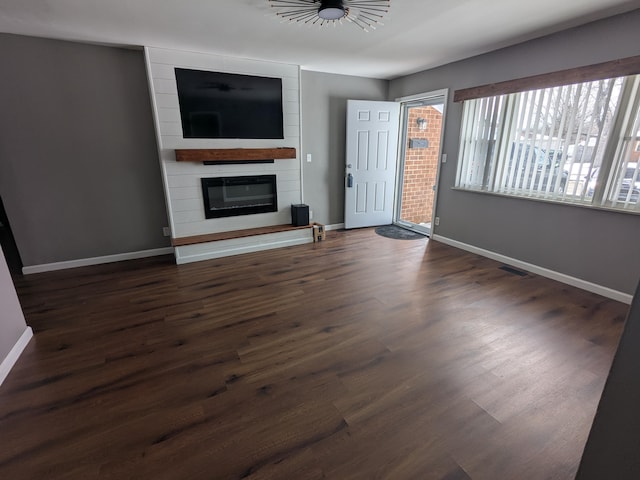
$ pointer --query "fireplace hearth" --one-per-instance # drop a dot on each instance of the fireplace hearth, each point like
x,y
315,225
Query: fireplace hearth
x,y
235,196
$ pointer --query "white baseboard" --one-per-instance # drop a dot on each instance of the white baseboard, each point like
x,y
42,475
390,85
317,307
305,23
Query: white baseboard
x,y
335,226
84,262
11,359
544,272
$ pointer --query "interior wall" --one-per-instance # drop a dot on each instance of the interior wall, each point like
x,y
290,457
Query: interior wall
x,y
614,441
12,323
593,245
324,111
79,171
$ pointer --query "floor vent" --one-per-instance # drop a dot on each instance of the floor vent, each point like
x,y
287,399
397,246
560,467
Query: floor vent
x,y
515,271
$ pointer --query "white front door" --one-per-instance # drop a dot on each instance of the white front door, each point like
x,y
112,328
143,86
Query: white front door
x,y
370,179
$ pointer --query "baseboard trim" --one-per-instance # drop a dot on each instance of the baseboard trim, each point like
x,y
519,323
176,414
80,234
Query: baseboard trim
x,y
334,226
544,272
11,359
84,262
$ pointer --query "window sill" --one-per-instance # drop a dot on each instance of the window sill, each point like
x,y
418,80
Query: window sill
x,y
552,201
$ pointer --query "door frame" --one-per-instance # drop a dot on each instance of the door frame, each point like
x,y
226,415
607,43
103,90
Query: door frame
x,y
406,102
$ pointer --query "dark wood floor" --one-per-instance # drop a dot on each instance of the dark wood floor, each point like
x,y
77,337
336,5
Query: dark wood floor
x,y
359,357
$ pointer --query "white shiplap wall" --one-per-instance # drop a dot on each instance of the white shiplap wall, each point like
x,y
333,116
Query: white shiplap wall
x,y
182,180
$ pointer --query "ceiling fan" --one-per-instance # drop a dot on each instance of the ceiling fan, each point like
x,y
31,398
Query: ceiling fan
x,y
365,14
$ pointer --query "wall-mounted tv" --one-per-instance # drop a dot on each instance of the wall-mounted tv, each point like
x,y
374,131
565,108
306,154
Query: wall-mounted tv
x,y
229,105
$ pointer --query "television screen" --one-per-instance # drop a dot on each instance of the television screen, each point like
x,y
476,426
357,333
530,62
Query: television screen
x,y
229,105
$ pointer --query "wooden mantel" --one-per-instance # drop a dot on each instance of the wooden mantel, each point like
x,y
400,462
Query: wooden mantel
x,y
234,154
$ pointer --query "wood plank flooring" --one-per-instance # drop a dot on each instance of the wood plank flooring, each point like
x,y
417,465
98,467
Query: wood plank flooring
x,y
359,357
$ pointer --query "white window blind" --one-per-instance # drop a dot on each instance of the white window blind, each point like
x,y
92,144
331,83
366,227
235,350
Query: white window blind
x,y
573,143
623,185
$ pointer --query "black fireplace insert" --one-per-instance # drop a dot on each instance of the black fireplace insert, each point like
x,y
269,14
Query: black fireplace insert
x,y
234,196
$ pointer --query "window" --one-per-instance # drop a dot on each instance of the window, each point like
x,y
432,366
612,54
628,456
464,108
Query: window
x,y
574,143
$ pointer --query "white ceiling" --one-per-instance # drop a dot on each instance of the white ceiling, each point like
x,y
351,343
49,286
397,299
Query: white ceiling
x,y
417,34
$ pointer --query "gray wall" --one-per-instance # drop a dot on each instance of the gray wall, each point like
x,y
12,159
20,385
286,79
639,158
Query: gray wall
x,y
12,324
596,246
79,172
613,447
324,110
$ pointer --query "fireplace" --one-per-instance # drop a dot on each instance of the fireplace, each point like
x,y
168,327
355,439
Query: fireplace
x,y
234,196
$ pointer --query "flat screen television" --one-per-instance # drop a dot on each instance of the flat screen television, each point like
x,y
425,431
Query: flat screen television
x,y
229,105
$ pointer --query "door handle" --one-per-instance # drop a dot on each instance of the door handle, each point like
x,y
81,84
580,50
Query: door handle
x,y
349,180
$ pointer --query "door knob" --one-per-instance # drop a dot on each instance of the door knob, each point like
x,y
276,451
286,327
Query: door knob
x,y
349,181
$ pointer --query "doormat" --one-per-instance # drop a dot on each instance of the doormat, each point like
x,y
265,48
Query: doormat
x,y
398,233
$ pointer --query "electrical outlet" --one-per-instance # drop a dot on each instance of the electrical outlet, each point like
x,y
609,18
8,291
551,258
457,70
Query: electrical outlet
x,y
437,221
166,232
310,214
309,157
444,158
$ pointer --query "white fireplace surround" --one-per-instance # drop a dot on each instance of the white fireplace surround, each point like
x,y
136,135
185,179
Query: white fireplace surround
x,y
181,180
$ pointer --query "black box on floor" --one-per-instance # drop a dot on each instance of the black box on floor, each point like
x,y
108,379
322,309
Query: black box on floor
x,y
299,215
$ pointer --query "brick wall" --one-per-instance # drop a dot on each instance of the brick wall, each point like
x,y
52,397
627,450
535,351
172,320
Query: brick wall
x,y
421,165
